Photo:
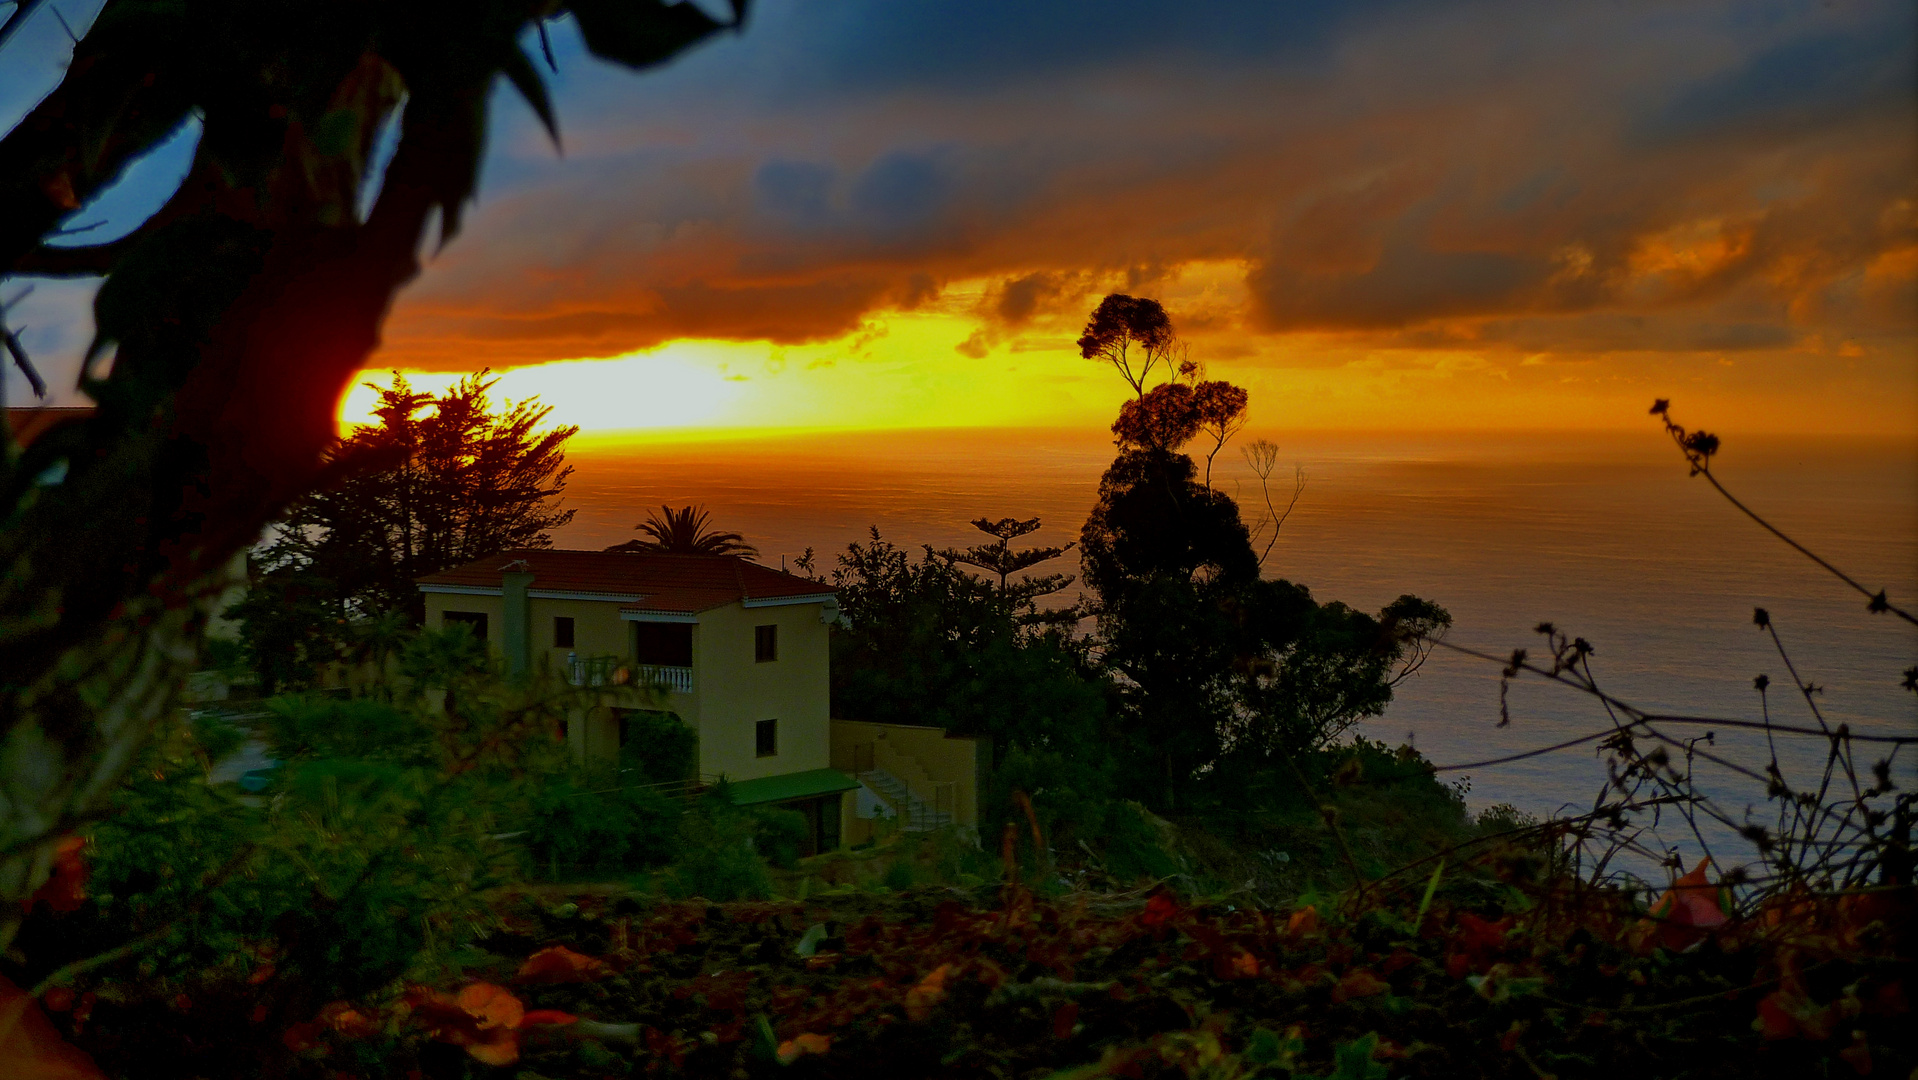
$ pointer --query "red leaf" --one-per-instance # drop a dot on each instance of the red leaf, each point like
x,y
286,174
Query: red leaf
x,y
347,1021
546,1017
483,1018
1888,1001
1303,923
1360,983
30,1046
1858,1054
559,964
1064,1019
493,1006
65,890
1158,911
1787,1012
1689,910
930,991
1477,935
800,1045
302,1036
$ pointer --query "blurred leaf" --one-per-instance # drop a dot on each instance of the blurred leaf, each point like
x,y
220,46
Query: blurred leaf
x,y
526,79
641,33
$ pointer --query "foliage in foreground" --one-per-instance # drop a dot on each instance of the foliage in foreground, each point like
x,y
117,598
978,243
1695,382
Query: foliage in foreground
x,y
1492,969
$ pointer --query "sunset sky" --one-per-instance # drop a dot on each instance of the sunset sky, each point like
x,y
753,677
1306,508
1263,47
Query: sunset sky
x,y
1437,216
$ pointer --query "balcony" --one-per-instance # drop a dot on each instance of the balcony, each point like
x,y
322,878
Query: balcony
x,y
679,680
596,671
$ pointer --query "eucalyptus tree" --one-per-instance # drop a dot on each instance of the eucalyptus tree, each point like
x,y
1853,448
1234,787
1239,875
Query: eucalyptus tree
x,y
236,316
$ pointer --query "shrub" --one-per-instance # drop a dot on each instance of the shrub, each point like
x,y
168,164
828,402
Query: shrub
x,y
318,726
779,835
660,748
716,857
215,737
223,654
1070,795
579,823
340,878
1135,844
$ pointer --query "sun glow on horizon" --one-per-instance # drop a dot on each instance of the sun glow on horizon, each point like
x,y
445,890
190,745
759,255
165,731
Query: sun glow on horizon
x,y
958,361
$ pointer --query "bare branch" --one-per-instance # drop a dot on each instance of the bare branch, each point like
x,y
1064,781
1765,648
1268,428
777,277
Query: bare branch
x,y
1262,456
17,351
1698,448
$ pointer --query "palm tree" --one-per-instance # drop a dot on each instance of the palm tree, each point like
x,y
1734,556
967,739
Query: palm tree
x,y
685,531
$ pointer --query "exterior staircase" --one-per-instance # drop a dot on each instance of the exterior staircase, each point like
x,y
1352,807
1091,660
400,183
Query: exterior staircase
x,y
914,813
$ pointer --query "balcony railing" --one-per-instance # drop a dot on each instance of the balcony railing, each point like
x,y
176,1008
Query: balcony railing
x,y
619,671
678,679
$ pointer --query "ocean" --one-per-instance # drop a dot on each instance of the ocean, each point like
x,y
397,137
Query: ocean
x,y
1603,535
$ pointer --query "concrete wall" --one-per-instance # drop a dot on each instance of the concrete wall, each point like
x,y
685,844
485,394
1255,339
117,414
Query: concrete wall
x,y
735,692
923,757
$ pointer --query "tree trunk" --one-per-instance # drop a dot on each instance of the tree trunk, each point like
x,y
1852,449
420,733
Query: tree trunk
x,y
219,409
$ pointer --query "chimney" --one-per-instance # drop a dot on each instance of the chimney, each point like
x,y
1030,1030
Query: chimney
x,y
516,630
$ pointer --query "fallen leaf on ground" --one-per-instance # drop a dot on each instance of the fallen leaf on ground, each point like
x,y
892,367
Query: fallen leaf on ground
x,y
1158,910
930,991
348,1021
1360,983
483,1018
1304,922
800,1045
559,964
493,1006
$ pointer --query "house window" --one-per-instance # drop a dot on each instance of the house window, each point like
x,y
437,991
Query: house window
x,y
765,643
472,620
562,631
766,738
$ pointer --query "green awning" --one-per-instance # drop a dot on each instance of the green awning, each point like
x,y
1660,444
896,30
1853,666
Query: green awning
x,y
799,785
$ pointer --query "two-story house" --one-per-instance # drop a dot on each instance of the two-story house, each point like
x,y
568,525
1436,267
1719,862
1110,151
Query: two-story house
x,y
738,651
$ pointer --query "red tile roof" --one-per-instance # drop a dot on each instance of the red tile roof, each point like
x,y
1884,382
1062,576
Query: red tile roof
x,y
647,581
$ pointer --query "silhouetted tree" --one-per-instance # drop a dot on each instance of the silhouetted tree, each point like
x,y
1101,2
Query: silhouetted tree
x,y
237,314
1163,418
1152,520
1125,331
686,531
924,642
436,482
1220,671
1002,560
1221,408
